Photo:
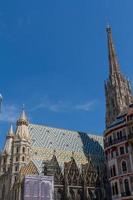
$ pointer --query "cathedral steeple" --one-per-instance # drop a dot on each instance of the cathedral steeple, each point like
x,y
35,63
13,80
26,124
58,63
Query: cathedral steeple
x,y
23,118
21,145
5,161
117,87
113,60
22,126
9,140
10,132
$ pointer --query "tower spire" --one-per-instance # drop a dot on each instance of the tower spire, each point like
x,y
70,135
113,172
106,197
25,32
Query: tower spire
x,y
117,87
23,118
22,126
10,132
113,60
9,140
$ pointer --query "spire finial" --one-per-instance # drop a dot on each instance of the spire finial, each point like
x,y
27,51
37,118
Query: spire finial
x,y
113,61
23,118
22,126
10,132
108,28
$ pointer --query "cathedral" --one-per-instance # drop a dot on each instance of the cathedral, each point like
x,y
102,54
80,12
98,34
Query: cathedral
x,y
75,161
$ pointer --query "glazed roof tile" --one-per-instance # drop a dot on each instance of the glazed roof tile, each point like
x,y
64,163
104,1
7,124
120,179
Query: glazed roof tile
x,y
47,140
29,169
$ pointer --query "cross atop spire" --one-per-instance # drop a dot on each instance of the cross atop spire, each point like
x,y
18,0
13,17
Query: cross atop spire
x,y
113,60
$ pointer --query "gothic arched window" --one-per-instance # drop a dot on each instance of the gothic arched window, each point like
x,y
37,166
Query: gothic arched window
x,y
114,170
126,184
113,190
72,194
116,188
124,166
23,158
17,149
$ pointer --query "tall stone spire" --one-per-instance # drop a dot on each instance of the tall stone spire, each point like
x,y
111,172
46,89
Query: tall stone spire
x,y
117,87
9,140
21,145
10,132
6,154
113,60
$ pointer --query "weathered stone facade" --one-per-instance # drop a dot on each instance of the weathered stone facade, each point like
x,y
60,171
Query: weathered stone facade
x,y
118,149
73,183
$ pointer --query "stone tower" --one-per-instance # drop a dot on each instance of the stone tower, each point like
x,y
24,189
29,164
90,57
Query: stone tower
x,y
7,152
117,87
21,146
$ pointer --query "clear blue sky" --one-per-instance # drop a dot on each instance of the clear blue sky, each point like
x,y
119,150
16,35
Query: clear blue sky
x,y
53,58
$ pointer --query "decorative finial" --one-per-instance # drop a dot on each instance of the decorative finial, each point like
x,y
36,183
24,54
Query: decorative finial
x,y
23,118
108,28
10,132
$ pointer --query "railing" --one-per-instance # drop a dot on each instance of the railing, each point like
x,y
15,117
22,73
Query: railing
x,y
116,141
126,194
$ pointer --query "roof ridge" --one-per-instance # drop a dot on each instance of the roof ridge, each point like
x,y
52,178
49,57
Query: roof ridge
x,y
90,134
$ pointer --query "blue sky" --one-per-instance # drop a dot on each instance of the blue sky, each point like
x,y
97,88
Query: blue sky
x,y
53,59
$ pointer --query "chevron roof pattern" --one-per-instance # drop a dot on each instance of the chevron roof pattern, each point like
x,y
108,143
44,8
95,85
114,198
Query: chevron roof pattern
x,y
29,169
46,141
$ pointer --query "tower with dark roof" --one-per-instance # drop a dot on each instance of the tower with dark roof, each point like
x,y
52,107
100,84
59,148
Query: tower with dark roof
x,y
117,87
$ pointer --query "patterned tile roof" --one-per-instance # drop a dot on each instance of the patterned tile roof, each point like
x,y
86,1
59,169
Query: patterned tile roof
x,y
29,169
65,143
